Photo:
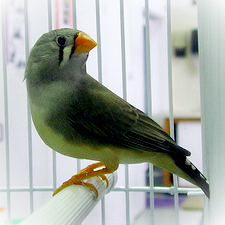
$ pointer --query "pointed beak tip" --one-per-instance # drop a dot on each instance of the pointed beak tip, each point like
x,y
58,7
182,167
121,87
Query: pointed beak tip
x,y
84,43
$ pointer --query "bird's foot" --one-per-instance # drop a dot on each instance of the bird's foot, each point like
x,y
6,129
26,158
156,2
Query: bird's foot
x,y
86,173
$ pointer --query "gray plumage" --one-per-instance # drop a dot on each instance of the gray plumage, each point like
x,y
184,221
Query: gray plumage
x,y
77,116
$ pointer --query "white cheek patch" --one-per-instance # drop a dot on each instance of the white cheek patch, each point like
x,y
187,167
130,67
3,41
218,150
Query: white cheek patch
x,y
66,55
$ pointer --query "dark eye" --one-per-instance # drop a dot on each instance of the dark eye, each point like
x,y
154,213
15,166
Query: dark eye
x,y
61,41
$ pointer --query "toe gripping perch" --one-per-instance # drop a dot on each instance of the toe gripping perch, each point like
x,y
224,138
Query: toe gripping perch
x,y
73,203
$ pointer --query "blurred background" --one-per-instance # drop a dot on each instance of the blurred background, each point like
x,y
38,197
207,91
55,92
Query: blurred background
x,y
122,62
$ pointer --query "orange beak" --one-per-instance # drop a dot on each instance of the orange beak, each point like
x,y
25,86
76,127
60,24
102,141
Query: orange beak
x,y
84,43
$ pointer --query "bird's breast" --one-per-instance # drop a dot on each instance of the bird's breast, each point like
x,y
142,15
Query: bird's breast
x,y
56,141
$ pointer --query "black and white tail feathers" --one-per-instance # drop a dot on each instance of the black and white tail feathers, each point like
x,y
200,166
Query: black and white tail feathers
x,y
185,165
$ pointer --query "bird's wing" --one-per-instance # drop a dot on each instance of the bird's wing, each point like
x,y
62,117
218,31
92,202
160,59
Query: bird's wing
x,y
147,135
102,115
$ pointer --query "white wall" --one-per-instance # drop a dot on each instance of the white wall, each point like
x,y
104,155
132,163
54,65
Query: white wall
x,y
186,87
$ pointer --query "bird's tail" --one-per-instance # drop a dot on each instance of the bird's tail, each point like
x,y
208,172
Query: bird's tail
x,y
195,176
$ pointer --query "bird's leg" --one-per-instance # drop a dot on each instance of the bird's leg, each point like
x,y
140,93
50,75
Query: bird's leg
x,y
90,170
86,173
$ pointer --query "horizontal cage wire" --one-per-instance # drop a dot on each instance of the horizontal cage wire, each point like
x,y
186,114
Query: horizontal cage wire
x,y
134,40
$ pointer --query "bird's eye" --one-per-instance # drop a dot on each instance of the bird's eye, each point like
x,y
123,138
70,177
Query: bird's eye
x,y
61,41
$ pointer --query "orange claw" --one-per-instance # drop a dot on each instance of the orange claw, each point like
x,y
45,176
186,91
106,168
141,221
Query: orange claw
x,y
105,179
84,174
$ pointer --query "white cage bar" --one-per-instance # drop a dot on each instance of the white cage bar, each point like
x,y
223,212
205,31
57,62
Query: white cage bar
x,y
212,56
99,31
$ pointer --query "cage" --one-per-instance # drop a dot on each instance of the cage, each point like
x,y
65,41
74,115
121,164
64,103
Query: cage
x,y
146,54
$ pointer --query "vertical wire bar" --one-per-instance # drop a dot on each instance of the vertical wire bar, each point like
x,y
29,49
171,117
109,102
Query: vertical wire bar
x,y
99,49
203,58
171,116
49,15
74,9
78,165
149,104
99,56
54,174
122,30
6,115
148,60
103,211
29,122
169,52
124,85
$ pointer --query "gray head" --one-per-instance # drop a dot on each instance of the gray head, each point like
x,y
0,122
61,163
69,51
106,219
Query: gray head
x,y
57,52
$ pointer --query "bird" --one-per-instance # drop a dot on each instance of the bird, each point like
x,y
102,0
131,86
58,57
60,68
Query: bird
x,y
77,116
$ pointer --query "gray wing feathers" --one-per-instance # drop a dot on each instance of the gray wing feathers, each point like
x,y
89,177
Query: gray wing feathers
x,y
98,115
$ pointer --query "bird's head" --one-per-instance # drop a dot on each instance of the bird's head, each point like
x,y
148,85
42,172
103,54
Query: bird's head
x,y
62,51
